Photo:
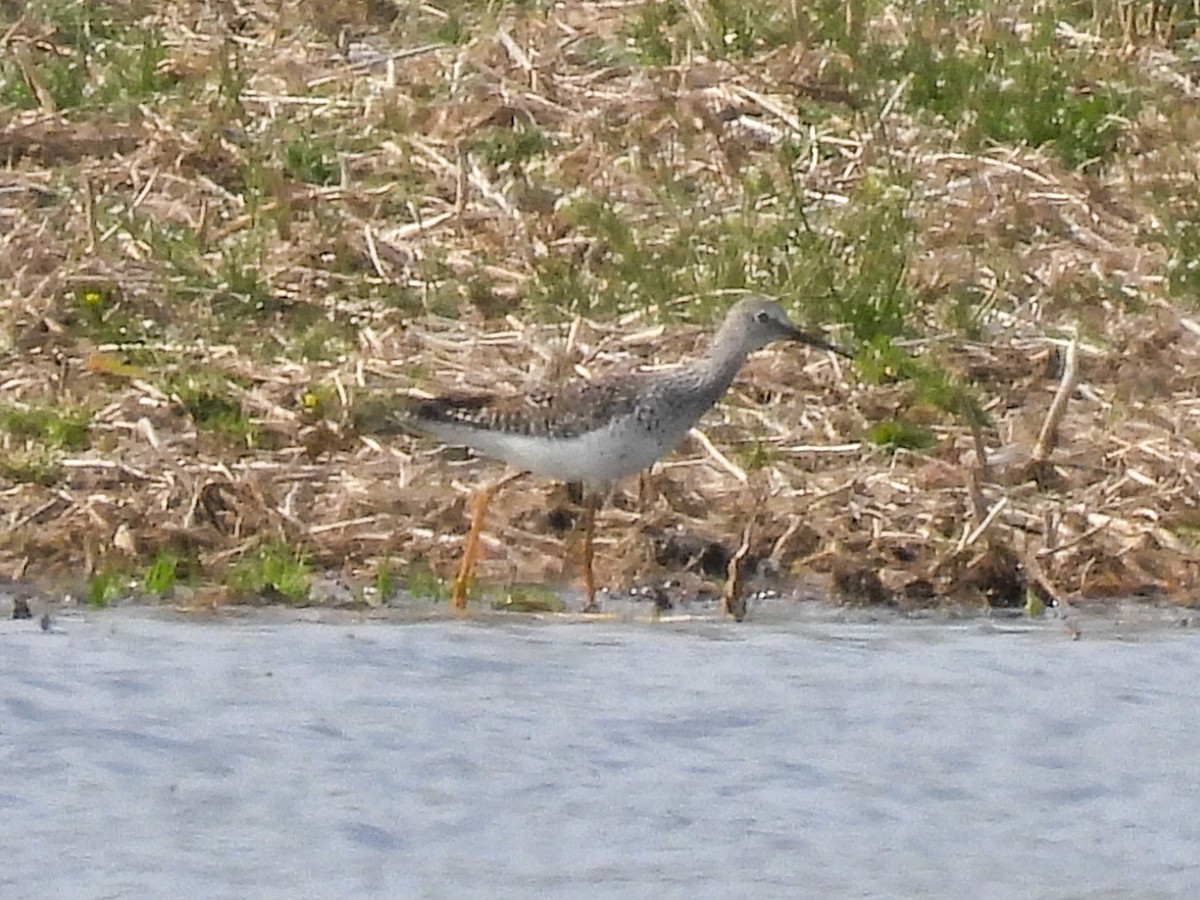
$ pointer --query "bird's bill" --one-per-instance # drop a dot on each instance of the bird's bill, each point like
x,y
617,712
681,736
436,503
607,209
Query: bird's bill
x,y
812,340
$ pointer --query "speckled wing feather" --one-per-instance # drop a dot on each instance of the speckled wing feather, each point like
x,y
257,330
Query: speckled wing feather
x,y
562,412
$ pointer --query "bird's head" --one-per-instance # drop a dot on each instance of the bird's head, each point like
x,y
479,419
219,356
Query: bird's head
x,y
758,321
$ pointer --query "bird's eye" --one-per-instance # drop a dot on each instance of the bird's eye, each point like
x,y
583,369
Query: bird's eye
x,y
762,316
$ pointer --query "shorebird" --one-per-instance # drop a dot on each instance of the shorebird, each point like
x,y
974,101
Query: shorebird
x,y
596,432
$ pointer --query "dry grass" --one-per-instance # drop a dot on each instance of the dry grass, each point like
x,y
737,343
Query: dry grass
x,y
296,209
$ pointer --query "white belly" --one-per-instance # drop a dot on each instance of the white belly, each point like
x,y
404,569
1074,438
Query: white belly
x,y
595,458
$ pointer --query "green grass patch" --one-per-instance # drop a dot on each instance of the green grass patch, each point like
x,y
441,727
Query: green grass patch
x,y
107,585
652,33
500,147
90,60
51,425
273,571
1186,527
847,265
965,309
311,158
529,598
855,267
100,314
36,465
207,396
454,31
318,401
742,29
384,583
242,290
161,575
231,85
177,247
662,32
1015,87
1181,236
756,455
632,268
932,385
901,434
1183,271
423,583
323,339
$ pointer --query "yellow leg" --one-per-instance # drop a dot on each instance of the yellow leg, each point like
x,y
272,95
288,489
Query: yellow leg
x,y
458,589
592,502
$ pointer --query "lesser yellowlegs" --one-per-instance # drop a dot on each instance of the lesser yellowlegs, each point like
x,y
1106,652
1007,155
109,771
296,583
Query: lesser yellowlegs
x,y
595,432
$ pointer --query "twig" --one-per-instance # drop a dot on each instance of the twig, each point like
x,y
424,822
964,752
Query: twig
x,y
1075,541
733,600
1038,576
515,53
895,96
983,526
374,253
824,448
360,66
978,502
718,457
794,523
124,468
36,513
344,523
1049,437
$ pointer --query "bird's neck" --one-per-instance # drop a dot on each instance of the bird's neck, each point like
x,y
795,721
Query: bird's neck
x,y
719,366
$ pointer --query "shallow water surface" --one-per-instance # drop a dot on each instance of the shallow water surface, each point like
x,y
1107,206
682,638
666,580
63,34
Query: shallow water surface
x,y
146,756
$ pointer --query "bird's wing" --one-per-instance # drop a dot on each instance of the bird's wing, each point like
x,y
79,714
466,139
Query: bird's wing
x,y
560,411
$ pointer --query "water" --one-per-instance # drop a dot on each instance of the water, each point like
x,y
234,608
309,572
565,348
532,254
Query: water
x,y
145,756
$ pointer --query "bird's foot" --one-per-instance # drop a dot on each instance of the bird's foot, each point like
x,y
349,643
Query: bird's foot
x,y
458,595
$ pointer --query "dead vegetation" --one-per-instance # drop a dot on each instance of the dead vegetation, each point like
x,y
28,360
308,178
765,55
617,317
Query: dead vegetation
x,y
296,212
